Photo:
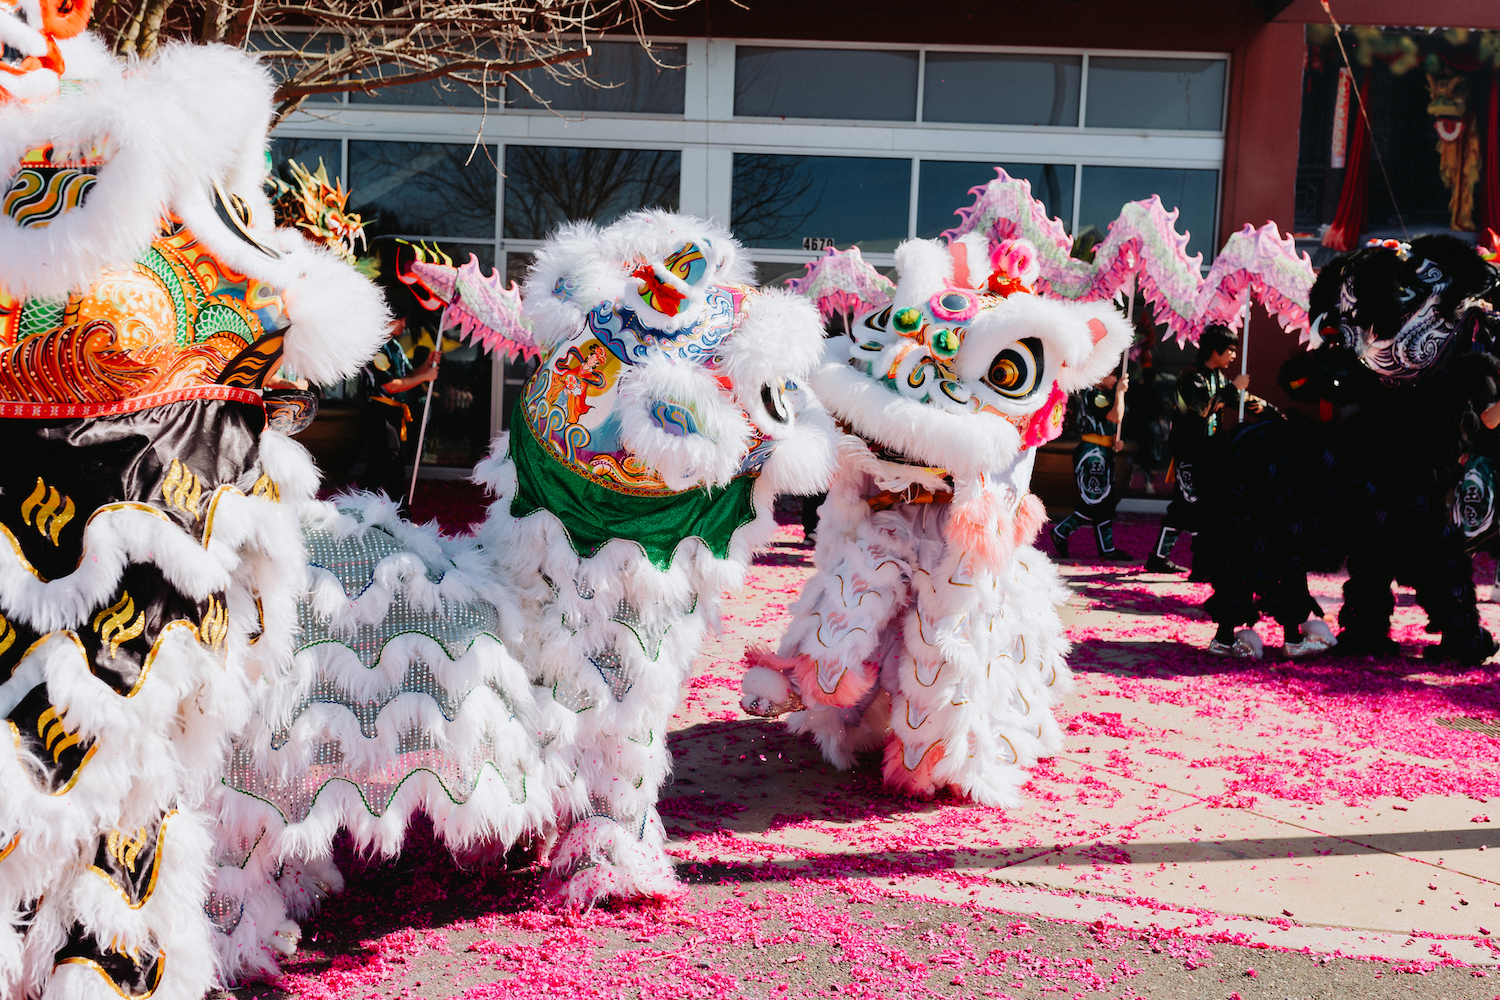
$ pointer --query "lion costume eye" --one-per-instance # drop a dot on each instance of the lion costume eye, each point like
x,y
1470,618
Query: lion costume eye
x,y
1015,371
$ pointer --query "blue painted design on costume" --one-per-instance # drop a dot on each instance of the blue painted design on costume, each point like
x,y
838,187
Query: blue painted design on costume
x,y
677,421
757,457
627,338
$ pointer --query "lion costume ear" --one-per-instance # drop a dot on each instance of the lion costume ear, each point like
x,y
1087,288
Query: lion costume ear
x,y
66,18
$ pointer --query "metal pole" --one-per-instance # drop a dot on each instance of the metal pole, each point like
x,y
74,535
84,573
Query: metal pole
x,y
1244,349
421,438
1125,357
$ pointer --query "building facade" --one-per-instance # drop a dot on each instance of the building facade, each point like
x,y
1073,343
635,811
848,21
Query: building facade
x,y
807,126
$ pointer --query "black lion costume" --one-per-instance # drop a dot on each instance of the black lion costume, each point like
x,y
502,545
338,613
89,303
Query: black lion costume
x,y
1399,374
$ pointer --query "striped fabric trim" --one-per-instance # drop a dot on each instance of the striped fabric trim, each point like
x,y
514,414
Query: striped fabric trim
x,y
74,411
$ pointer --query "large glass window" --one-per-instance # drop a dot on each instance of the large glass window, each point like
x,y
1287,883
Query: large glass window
x,y
626,78
424,188
825,83
944,185
1001,89
546,186
1156,93
308,152
808,202
1193,192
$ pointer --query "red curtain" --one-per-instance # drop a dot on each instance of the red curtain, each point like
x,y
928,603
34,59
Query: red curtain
x,y
1354,200
1490,172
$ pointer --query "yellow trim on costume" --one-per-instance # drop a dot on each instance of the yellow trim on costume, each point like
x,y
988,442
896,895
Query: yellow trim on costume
x,y
65,789
213,508
21,556
161,960
5,851
122,505
150,659
130,863
1102,440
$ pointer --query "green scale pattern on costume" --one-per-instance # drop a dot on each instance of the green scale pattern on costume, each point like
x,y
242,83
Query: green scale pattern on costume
x,y
41,315
153,261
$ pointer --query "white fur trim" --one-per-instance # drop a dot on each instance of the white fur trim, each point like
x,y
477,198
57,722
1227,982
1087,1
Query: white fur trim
x,y
169,130
709,454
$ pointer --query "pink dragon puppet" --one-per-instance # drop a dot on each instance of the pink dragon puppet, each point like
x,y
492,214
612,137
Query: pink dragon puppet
x,y
929,630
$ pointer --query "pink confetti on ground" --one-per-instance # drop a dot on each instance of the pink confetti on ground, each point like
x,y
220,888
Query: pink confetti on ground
x,y
755,806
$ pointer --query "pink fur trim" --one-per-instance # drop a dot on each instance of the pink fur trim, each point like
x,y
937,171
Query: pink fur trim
x,y
1031,514
853,685
977,527
599,859
913,782
1046,423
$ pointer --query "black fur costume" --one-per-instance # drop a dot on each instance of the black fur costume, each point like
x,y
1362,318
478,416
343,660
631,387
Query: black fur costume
x,y
1403,371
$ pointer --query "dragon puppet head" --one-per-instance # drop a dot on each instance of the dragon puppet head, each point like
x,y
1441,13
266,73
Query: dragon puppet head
x,y
952,374
1403,309
957,366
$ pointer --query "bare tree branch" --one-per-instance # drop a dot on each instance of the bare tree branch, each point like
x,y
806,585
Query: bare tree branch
x,y
320,47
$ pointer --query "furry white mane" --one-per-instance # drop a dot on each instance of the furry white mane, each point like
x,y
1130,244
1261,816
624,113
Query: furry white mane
x,y
168,131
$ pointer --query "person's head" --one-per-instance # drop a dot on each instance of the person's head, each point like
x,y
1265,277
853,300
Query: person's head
x,y
1217,347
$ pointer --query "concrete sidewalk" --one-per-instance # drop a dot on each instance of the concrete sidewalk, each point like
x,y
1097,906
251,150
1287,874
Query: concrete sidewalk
x,y
1193,791
1212,829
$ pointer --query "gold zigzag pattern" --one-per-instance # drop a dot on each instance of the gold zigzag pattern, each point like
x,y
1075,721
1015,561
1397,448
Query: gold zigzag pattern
x,y
182,489
125,848
215,627
265,487
47,510
119,623
54,734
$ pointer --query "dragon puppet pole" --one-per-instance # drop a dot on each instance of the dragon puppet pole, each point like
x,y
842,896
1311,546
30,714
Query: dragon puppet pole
x,y
1125,357
422,436
1244,349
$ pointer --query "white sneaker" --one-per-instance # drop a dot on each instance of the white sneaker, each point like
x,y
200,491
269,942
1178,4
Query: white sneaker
x,y
1317,637
1246,646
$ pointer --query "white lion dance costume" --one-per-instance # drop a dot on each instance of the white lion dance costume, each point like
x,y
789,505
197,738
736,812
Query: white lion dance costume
x,y
637,481
929,629
148,571
401,698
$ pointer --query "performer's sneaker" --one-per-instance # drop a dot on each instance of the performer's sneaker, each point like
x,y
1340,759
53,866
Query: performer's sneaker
x,y
1246,646
1317,637
1156,564
1059,544
1115,555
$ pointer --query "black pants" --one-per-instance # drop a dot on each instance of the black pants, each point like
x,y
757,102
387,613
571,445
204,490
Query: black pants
x,y
384,469
1094,470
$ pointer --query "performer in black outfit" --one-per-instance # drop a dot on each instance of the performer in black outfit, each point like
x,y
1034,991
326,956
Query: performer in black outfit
x,y
1097,413
1204,391
386,377
1402,381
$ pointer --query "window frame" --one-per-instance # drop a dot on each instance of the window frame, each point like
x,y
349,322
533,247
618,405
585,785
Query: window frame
x,y
708,134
